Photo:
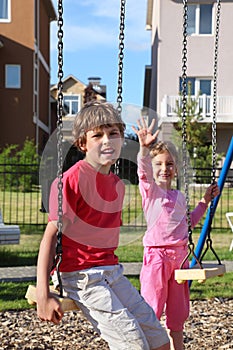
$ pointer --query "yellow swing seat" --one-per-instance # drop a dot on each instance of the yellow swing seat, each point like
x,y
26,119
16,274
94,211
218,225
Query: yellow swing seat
x,y
199,274
67,304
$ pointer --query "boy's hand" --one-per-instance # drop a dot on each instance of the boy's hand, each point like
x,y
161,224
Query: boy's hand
x,y
49,310
145,134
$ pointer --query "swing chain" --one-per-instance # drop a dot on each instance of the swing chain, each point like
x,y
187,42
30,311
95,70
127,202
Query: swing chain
x,y
214,134
211,210
58,257
121,56
184,114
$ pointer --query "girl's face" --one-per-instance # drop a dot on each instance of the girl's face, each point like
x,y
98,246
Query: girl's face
x,y
102,147
164,169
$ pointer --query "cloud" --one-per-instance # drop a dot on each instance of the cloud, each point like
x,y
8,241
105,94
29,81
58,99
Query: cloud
x,y
78,38
88,24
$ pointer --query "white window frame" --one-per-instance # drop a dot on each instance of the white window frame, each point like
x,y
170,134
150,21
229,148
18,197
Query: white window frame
x,y
197,21
8,85
198,83
8,19
70,102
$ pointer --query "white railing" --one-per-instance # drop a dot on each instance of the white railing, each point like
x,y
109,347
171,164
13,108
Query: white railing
x,y
169,106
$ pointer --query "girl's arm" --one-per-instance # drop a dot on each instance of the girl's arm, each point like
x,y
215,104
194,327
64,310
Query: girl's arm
x,y
211,192
48,308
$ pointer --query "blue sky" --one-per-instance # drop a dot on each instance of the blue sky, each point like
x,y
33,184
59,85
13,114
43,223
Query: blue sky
x,y
91,30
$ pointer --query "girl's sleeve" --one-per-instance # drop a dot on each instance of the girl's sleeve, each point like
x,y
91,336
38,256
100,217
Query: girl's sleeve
x,y
145,173
197,213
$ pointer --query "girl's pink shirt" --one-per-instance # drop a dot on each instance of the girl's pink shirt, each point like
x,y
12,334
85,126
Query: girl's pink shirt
x,y
164,210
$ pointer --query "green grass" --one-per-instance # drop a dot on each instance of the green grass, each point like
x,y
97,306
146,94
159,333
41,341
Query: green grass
x,y
22,207
12,295
24,253
19,207
217,287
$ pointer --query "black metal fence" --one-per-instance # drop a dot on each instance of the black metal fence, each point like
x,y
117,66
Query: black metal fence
x,y
21,199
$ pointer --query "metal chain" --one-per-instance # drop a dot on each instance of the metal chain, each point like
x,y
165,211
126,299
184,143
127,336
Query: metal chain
x,y
184,115
120,68
59,139
121,57
191,245
214,134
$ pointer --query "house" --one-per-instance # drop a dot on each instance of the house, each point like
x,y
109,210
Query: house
x,y
163,76
25,71
75,94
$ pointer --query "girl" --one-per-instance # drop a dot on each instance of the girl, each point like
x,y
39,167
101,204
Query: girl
x,y
166,239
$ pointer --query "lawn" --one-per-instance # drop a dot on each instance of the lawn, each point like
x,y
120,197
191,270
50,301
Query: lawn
x,y
130,250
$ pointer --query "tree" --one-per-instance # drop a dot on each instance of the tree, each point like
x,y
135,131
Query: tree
x,y
198,137
19,167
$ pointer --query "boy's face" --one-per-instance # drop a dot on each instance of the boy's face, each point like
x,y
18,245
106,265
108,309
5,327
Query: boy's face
x,y
103,147
164,169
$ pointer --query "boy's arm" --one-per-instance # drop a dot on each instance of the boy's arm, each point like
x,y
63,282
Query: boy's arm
x,y
48,308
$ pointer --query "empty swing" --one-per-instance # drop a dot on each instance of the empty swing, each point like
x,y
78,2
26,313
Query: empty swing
x,y
199,271
68,304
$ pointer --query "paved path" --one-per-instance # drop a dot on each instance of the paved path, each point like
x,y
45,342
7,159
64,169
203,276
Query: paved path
x,y
28,273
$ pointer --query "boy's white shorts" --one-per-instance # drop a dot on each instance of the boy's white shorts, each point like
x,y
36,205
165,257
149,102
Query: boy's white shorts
x,y
115,308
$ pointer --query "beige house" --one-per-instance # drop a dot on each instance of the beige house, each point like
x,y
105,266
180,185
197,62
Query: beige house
x,y
163,76
75,94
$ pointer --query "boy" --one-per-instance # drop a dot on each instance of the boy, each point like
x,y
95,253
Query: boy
x,y
90,272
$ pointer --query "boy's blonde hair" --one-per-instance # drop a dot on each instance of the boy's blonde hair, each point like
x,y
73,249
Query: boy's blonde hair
x,y
161,147
95,115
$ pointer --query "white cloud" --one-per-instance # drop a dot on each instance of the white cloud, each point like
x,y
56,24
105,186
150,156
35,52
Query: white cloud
x,y
89,23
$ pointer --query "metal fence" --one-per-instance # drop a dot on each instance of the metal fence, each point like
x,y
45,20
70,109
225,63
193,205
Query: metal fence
x,y
21,200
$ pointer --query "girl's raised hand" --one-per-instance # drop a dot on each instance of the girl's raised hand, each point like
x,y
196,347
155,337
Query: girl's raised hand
x,y
145,133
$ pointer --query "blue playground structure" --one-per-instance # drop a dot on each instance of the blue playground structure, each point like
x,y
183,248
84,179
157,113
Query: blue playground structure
x,y
221,181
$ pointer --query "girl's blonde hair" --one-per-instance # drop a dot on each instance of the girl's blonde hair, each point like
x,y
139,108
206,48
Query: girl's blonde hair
x,y
161,147
95,115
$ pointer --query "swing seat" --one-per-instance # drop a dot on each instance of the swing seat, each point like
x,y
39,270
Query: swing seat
x,y
201,275
67,304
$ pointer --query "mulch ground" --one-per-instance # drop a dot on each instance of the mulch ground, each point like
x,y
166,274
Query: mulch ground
x,y
210,327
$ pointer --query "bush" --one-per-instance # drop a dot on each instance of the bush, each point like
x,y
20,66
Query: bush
x,y
19,167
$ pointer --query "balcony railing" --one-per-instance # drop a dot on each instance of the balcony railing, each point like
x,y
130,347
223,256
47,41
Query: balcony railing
x,y
204,107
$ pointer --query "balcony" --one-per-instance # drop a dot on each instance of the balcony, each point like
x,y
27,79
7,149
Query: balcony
x,y
204,106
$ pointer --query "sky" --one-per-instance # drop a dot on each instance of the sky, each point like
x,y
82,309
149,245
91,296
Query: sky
x,y
91,32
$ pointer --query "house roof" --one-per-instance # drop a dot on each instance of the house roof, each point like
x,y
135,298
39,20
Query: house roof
x,y
51,11
69,77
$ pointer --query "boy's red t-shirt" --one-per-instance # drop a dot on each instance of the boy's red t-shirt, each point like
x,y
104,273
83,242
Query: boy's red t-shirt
x,y
92,206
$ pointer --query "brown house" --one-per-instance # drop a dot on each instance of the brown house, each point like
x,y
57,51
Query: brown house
x,y
25,71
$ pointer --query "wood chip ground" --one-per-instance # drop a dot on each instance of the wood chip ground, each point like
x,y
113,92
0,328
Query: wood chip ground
x,y
210,327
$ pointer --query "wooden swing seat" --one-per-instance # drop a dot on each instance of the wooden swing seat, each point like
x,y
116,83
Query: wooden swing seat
x,y
67,304
196,273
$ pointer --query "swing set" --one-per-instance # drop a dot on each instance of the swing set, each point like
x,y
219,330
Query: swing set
x,y
198,270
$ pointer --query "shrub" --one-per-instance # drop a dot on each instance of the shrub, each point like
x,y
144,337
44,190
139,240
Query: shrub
x,y
19,167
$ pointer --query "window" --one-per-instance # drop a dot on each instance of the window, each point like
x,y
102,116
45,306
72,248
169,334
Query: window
x,y
71,104
198,86
13,76
205,87
199,19
5,6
